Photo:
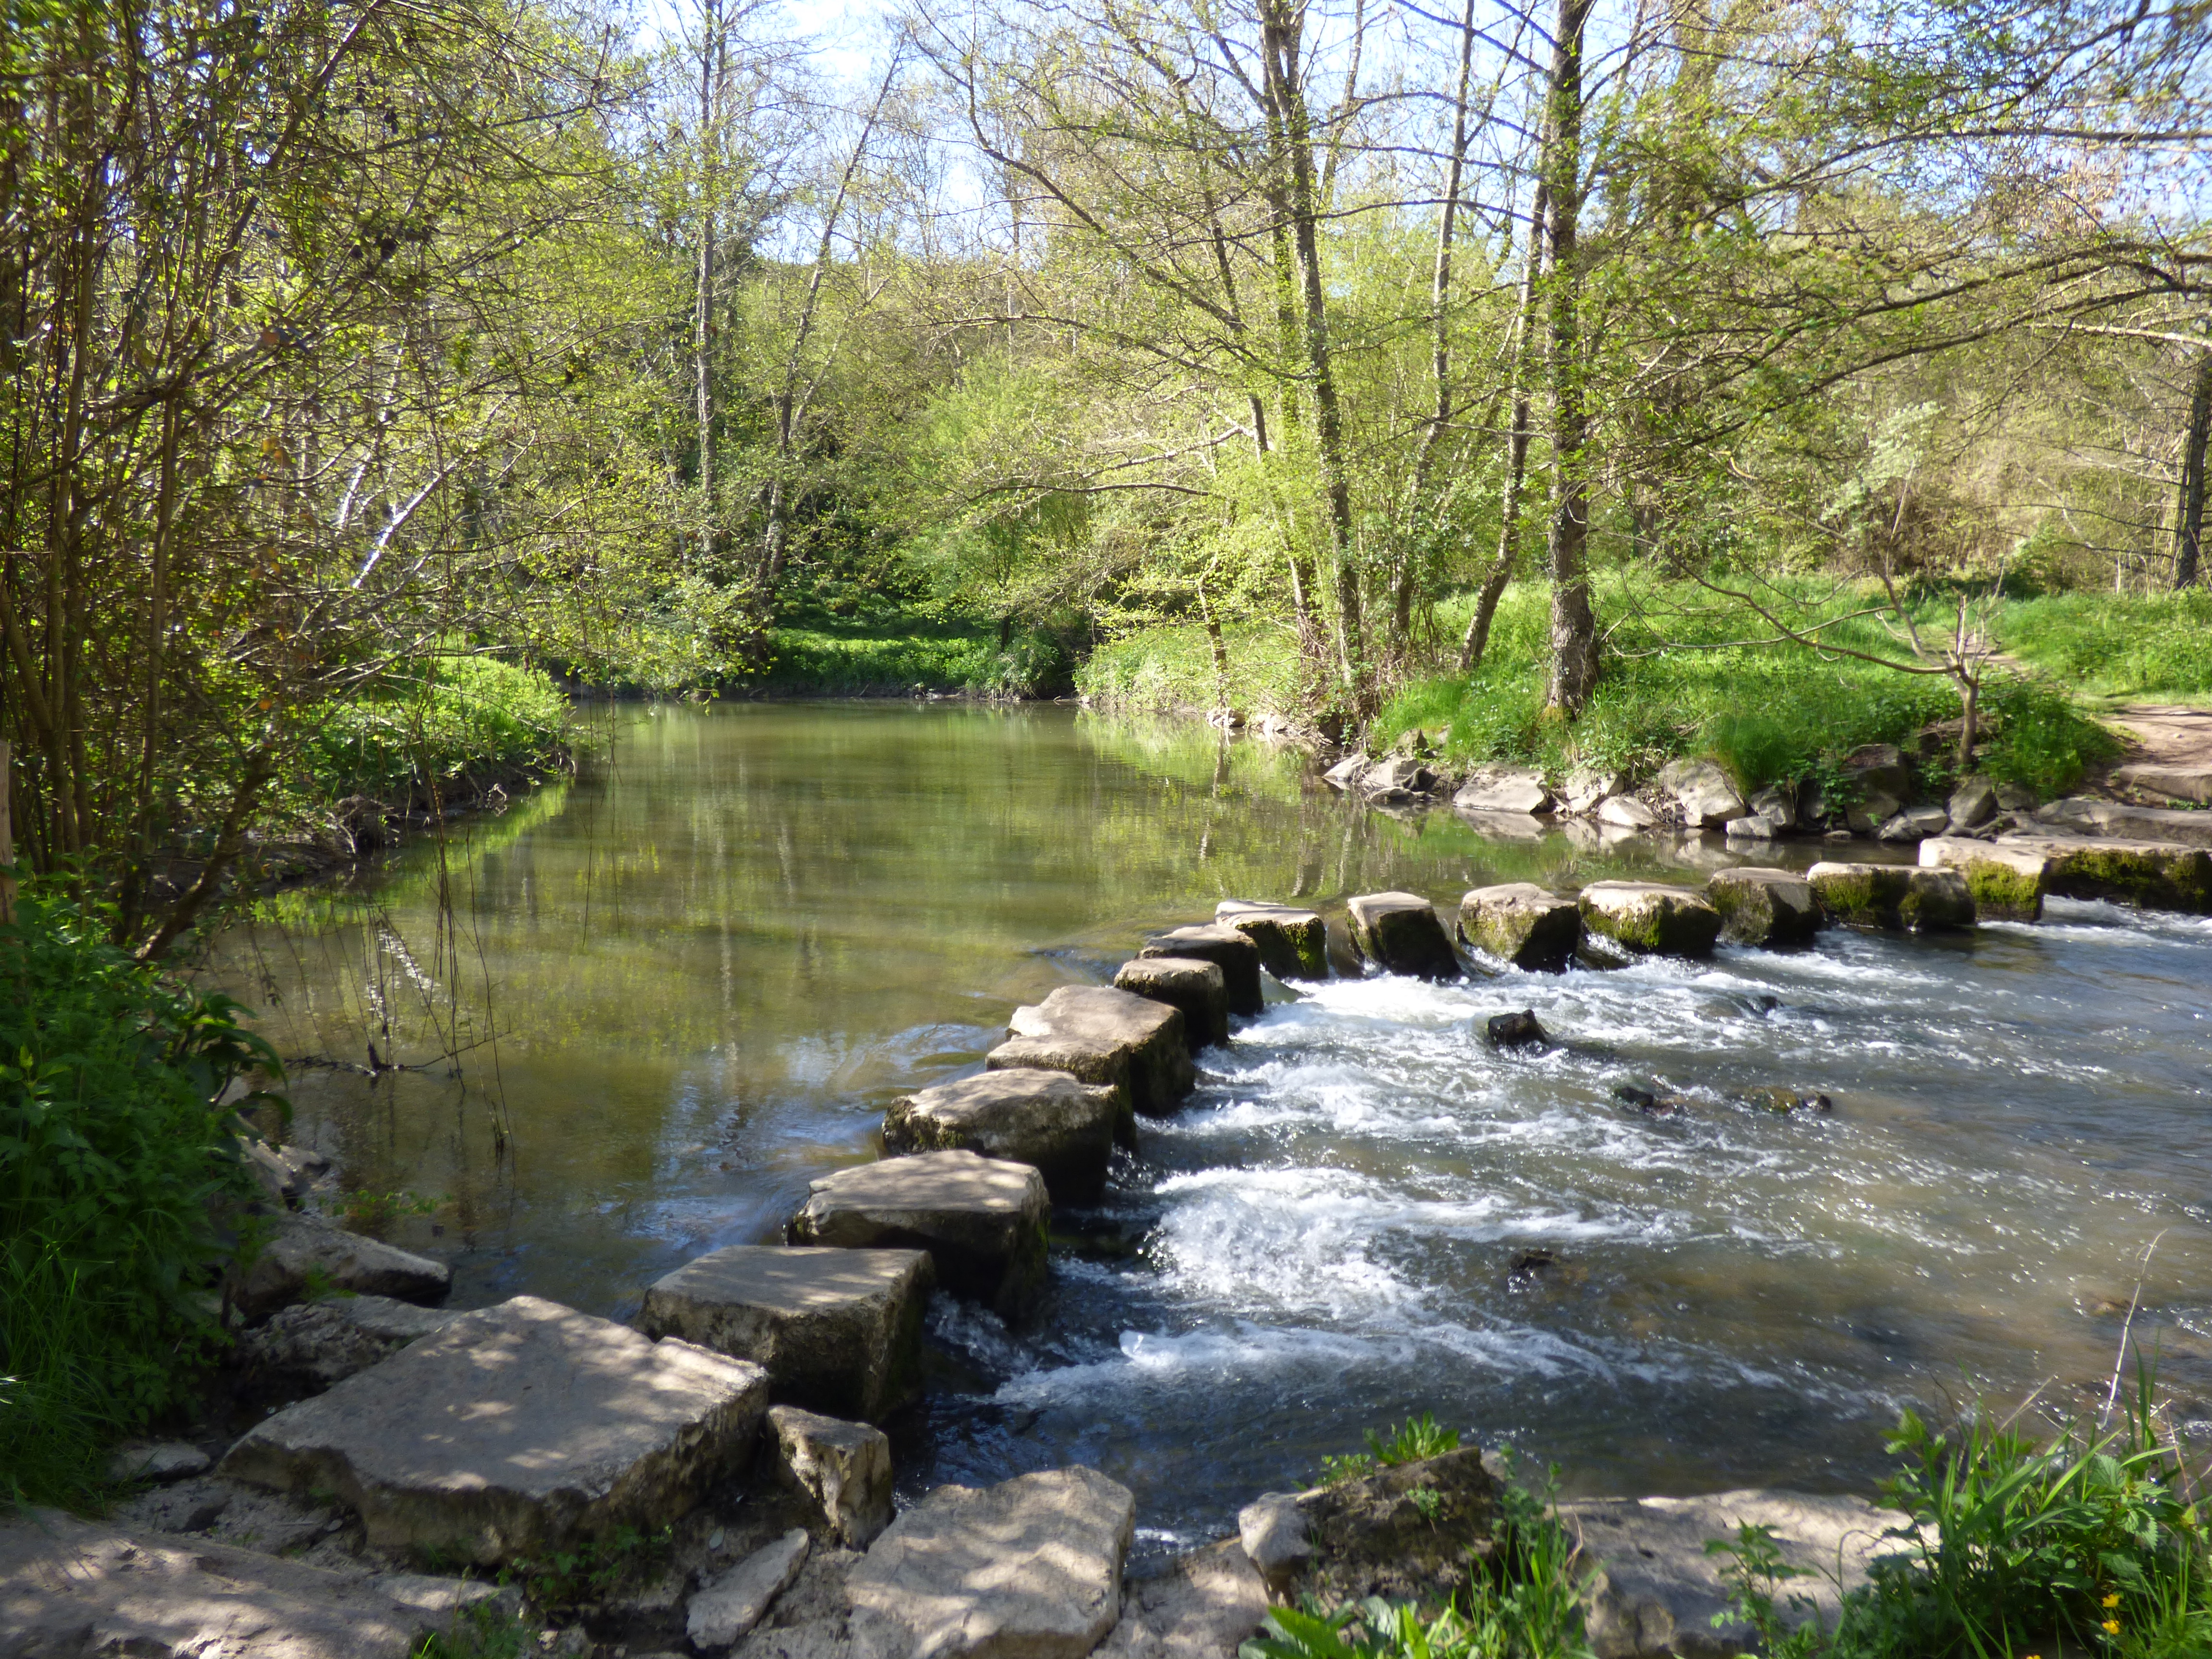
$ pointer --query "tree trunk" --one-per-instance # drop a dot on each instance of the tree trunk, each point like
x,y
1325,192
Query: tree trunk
x,y
1477,640
702,344
2189,520
1574,629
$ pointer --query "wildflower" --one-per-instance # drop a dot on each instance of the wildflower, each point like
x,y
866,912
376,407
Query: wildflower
x,y
2114,1600
2111,1627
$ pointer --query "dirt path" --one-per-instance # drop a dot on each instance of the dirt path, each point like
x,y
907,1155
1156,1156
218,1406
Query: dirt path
x,y
2172,735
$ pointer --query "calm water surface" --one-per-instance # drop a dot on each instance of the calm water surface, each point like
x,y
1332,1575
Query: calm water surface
x,y
690,981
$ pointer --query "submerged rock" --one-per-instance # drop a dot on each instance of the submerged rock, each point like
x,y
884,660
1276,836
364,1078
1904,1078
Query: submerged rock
x,y
1400,933
982,1221
1195,988
1650,1103
839,1330
1900,897
1104,1035
1763,907
1516,1030
516,1431
1347,771
1785,1101
844,1467
2007,883
1521,924
1053,1121
1292,943
1028,1569
1232,951
1652,918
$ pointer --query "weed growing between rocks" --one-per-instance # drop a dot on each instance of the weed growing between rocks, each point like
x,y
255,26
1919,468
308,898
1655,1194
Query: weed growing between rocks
x,y
593,1572
485,1631
115,1163
1410,1441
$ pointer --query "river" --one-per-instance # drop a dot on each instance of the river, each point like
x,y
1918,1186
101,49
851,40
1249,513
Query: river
x,y
640,1010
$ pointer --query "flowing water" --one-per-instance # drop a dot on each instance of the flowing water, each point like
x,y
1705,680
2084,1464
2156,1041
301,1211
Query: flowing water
x,y
639,1011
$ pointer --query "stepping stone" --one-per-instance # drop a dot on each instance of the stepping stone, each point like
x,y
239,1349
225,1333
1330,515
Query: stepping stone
x,y
1763,907
516,1431
1028,1569
1235,953
1196,987
1897,898
1521,924
1293,944
1399,932
981,1221
2155,875
1104,1035
2174,782
839,1330
1652,918
71,1587
306,1250
1057,1124
2008,880
2110,818
732,1603
845,1468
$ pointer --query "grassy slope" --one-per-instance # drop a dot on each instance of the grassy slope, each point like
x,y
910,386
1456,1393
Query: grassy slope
x,y
816,654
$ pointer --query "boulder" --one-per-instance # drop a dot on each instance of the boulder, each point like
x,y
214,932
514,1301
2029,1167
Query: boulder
x,y
2007,881
836,1330
1661,1103
1783,1102
1186,983
1707,795
1516,1030
1400,933
2082,816
2157,875
1586,788
1777,805
1652,918
844,1467
1053,1121
157,1461
1900,897
1203,1606
1504,789
1236,953
1974,802
1402,1533
981,1221
1658,1591
1391,777
1876,782
1028,1569
1293,944
2174,783
1104,1035
313,1344
1520,923
1272,1532
1912,824
71,1587
1763,907
306,1252
1750,827
1626,812
516,1431
1346,771
732,1603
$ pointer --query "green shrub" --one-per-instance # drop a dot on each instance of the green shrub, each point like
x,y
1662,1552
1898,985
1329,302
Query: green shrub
x,y
456,714
2043,741
111,1154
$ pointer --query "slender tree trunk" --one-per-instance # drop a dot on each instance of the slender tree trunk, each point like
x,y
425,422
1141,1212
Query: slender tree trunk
x,y
702,344
1477,638
2189,519
1574,629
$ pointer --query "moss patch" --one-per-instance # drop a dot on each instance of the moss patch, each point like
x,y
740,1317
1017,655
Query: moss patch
x,y
2003,893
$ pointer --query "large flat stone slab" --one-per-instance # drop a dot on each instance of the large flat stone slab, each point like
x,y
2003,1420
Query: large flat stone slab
x,y
1522,925
515,1430
1104,1035
2157,875
1760,905
1234,952
982,1220
2174,782
1028,1569
1293,944
1053,1121
1652,918
1658,1590
1400,933
2007,883
305,1251
1897,898
2081,816
837,1330
1196,988
71,1587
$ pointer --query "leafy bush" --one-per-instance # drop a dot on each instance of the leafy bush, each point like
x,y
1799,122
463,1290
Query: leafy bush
x,y
831,660
458,715
2043,741
112,1152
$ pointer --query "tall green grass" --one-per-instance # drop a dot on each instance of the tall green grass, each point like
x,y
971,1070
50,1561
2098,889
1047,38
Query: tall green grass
x,y
113,1159
448,717
827,658
2157,645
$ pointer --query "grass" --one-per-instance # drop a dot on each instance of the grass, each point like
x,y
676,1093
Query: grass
x,y
818,654
112,1160
453,718
2150,646
1173,667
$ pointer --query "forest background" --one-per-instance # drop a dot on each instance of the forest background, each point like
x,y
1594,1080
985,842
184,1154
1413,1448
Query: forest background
x,y
1596,379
